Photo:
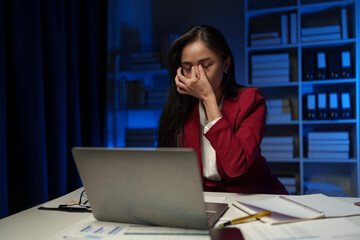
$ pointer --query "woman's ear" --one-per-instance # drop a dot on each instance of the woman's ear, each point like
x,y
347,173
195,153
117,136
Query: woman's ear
x,y
227,64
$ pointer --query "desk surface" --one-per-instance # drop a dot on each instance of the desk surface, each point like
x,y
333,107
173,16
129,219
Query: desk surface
x,y
38,224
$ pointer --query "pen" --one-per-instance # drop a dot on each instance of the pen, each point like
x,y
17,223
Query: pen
x,y
243,219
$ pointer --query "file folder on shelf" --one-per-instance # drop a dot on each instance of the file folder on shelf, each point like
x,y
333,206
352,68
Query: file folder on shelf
x,y
334,64
321,69
344,25
293,27
308,66
345,106
346,69
333,105
310,107
322,106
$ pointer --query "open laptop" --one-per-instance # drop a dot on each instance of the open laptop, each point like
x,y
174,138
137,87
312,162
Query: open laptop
x,y
151,186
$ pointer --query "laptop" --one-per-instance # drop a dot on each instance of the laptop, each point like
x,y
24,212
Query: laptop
x,y
150,186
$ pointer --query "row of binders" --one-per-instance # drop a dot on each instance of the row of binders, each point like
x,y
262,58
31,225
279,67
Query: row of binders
x,y
327,65
277,147
278,110
328,145
270,68
332,105
287,34
327,32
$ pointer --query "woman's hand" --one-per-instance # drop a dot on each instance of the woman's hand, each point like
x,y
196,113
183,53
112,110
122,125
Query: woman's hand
x,y
197,85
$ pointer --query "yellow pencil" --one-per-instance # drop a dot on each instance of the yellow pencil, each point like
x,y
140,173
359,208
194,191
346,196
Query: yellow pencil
x,y
243,219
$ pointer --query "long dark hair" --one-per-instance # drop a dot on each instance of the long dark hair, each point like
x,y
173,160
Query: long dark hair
x,y
178,107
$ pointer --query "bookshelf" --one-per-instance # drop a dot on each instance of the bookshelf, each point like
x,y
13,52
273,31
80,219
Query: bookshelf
x,y
305,53
139,94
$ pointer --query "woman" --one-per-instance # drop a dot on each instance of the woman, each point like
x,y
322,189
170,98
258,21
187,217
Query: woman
x,y
208,111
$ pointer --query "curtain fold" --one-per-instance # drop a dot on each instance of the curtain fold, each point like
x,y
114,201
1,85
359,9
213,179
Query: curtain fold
x,y
3,152
52,77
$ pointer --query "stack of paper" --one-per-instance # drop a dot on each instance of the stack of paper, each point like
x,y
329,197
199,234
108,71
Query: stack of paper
x,y
279,110
270,68
324,33
275,148
328,145
266,38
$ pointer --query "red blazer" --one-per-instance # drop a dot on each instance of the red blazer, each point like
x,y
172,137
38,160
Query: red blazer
x,y
236,138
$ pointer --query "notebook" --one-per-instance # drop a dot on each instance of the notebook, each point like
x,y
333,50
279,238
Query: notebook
x,y
295,208
151,186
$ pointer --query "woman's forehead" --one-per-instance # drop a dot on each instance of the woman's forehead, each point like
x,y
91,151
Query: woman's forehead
x,y
197,52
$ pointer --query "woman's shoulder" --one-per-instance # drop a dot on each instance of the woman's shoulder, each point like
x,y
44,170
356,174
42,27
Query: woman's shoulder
x,y
248,91
247,98
250,95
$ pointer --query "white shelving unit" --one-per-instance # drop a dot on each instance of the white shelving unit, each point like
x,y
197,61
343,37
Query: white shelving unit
x,y
263,16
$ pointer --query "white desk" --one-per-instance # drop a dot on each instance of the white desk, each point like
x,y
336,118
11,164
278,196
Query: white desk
x,y
39,224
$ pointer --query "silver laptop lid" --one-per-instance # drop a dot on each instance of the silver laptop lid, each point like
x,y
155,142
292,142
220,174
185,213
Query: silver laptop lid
x,y
157,186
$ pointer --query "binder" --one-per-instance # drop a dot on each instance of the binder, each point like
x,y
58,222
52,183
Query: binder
x,y
321,69
346,69
293,27
308,66
344,25
345,106
322,106
334,64
310,107
334,105
284,29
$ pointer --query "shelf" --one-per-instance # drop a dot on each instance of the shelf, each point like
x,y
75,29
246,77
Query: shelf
x,y
259,12
294,160
273,47
329,81
350,160
331,43
294,122
337,121
316,7
262,63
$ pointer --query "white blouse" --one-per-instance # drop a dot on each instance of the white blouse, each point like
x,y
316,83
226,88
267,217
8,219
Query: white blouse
x,y
207,151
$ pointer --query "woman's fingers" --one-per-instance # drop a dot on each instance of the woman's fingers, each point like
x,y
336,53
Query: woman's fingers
x,y
180,76
201,70
193,72
179,83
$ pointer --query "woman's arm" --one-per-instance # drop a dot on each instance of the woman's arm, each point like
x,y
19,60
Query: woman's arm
x,y
237,146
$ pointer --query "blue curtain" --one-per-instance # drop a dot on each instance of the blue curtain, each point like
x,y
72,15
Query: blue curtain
x,y
52,83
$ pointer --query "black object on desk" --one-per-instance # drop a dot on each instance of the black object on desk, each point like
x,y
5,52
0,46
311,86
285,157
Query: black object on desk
x,y
66,208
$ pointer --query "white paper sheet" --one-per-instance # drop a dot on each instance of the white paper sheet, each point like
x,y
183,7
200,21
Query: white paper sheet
x,y
90,228
333,228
